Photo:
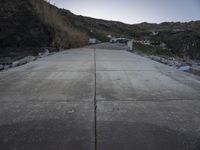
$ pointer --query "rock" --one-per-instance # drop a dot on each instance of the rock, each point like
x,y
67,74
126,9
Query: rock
x,y
195,69
155,58
23,61
44,54
185,68
1,67
6,67
164,61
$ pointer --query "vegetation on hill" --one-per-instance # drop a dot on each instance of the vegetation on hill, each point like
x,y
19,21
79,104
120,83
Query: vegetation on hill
x,y
182,38
20,27
152,50
63,35
35,23
183,44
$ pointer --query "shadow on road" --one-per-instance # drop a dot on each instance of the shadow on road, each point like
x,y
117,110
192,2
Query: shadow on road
x,y
143,136
44,135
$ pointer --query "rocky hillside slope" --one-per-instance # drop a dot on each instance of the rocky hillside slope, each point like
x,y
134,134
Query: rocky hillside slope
x,y
21,26
35,23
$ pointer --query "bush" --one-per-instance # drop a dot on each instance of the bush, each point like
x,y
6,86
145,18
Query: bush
x,y
152,50
63,36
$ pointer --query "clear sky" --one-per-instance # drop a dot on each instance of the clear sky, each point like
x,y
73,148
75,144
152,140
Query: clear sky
x,y
135,11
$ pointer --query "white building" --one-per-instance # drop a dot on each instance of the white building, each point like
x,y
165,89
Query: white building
x,y
109,36
92,41
130,45
119,40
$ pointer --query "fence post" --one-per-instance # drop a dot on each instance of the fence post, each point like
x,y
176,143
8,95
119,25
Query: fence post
x,y
130,45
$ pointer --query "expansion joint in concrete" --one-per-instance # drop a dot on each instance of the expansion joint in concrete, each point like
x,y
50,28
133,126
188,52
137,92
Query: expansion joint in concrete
x,y
95,101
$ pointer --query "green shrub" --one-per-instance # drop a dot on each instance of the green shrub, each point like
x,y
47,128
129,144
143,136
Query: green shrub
x,y
152,50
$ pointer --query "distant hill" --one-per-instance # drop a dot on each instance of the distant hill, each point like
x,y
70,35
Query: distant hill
x,y
36,23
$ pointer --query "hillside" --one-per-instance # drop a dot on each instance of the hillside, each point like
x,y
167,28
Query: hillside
x,y
183,39
35,23
20,26
27,24
96,27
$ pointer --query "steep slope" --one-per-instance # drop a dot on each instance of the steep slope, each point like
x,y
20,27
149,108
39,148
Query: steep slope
x,y
20,26
35,23
97,27
63,34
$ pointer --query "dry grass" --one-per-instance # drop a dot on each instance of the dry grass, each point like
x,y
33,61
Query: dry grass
x,y
63,36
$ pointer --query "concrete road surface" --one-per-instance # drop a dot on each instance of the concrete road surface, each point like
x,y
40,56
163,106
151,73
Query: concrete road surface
x,y
98,99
